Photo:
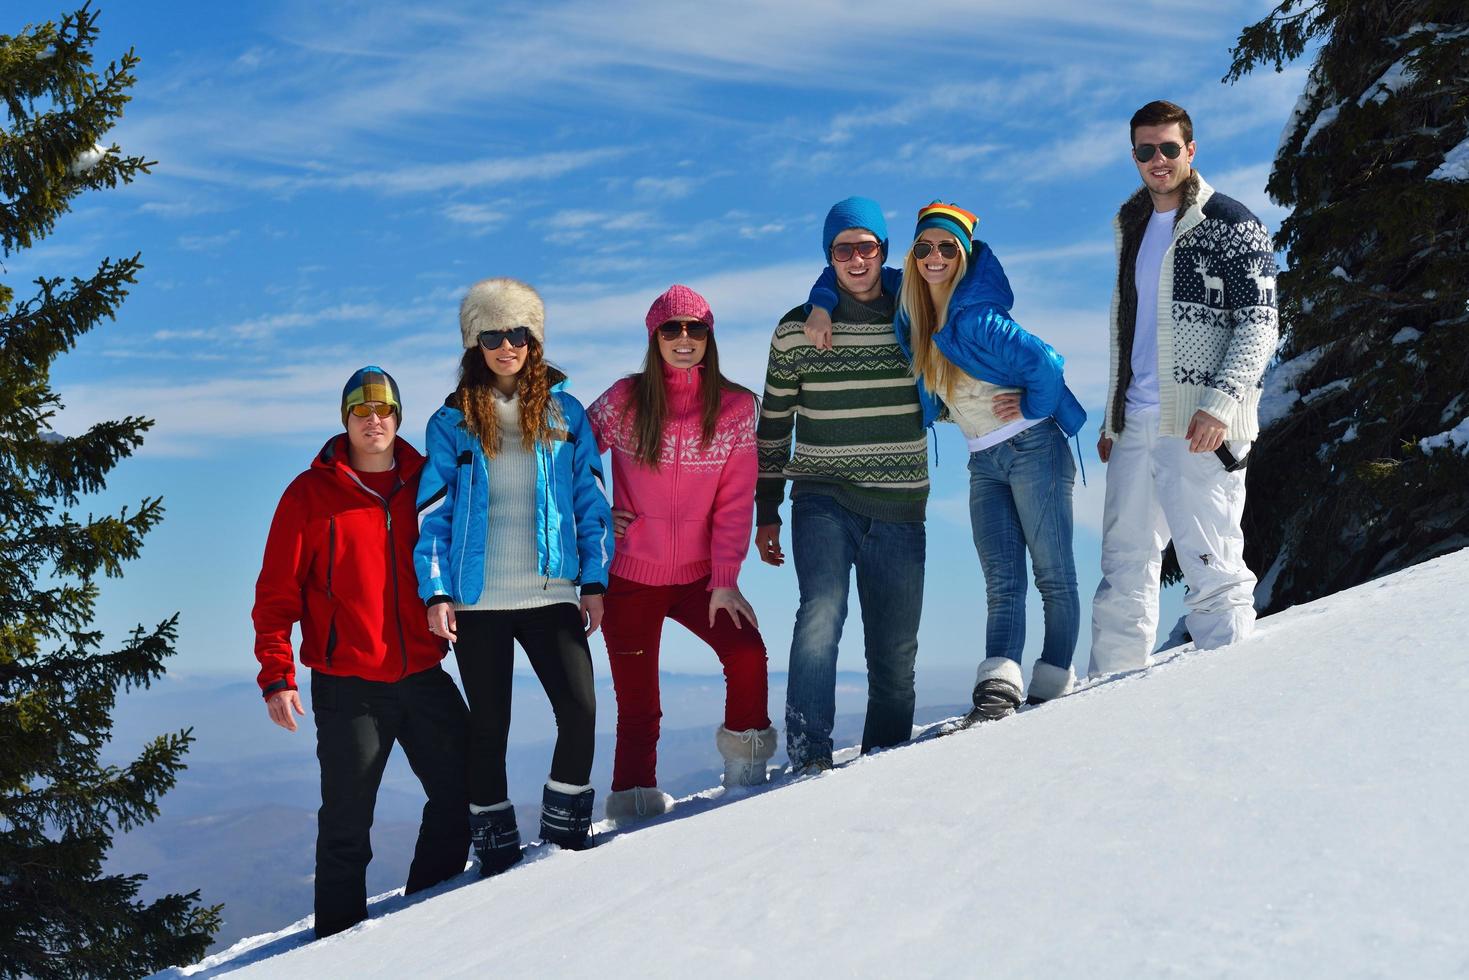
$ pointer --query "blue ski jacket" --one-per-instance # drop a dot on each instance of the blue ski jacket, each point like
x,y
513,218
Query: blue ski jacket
x,y
574,521
981,339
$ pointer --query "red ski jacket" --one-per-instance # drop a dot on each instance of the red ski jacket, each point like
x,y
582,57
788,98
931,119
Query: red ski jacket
x,y
339,560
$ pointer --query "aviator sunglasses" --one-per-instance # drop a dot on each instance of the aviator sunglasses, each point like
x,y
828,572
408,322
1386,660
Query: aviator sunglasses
x,y
492,339
362,410
697,329
845,251
949,250
1144,151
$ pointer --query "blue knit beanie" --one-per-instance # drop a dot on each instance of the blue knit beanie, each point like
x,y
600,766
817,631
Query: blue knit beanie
x,y
854,212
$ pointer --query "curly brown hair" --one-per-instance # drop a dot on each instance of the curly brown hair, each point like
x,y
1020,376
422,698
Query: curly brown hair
x,y
476,399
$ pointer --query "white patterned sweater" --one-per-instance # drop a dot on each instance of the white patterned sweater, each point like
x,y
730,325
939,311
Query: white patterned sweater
x,y
1217,321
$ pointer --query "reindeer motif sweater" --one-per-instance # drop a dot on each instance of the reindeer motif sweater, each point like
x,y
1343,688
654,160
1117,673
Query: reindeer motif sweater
x,y
1217,323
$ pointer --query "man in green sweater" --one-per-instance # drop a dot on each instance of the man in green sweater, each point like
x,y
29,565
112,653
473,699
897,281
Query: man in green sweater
x,y
859,475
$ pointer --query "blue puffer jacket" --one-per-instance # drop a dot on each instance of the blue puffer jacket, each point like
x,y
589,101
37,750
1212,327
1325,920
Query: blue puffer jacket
x,y
982,340
574,525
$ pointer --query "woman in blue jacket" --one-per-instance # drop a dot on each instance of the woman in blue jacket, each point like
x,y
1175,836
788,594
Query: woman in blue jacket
x,y
513,522
1004,387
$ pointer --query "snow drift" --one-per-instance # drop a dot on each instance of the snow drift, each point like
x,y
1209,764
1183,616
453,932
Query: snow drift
x,y
1290,806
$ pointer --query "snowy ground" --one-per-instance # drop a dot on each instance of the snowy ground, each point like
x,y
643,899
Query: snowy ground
x,y
1293,806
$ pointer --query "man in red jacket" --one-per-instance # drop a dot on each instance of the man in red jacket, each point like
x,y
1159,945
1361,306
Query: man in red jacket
x,y
339,561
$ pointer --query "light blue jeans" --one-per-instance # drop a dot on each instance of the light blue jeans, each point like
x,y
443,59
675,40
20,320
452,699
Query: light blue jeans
x,y
1019,499
827,540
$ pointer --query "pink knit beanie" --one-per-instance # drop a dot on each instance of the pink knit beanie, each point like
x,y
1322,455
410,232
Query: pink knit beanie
x,y
676,302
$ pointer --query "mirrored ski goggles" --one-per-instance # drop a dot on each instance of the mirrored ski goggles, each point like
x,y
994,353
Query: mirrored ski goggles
x,y
492,339
1144,151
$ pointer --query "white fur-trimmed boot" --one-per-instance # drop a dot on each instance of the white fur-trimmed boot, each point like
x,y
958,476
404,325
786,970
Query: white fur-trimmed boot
x,y
1047,683
638,803
745,754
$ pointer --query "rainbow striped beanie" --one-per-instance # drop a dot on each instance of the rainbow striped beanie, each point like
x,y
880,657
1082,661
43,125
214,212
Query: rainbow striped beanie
x,y
951,218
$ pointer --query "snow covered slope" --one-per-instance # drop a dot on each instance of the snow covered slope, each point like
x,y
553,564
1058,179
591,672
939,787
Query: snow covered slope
x,y
1294,806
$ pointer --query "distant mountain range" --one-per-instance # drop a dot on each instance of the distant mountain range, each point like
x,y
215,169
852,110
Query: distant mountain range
x,y
241,823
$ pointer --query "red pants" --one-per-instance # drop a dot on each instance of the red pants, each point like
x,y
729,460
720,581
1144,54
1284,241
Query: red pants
x,y
633,628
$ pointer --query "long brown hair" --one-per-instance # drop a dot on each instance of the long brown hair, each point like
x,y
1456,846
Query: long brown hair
x,y
475,397
925,320
649,401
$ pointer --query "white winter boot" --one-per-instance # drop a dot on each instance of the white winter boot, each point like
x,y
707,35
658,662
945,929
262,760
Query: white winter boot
x,y
1047,683
638,803
745,754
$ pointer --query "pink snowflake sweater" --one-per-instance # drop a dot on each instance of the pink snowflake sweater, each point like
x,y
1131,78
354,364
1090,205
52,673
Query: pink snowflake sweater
x,y
695,511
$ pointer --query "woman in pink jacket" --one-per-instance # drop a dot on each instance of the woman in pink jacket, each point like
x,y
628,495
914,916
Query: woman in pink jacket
x,y
683,481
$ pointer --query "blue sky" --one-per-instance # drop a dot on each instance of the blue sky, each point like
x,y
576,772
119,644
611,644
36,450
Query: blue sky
x,y
331,176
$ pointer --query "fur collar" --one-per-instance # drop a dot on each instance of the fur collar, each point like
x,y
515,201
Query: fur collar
x,y
1135,209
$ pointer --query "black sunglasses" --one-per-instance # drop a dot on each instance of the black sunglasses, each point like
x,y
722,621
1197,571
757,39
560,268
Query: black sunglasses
x,y
696,329
845,251
1144,151
949,250
492,339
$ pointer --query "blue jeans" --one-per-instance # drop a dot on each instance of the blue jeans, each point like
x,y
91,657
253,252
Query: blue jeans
x,y
1019,498
827,539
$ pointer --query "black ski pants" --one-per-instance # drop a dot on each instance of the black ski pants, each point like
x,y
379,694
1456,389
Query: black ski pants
x,y
357,722
553,640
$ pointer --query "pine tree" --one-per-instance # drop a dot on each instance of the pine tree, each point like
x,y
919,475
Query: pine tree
x,y
1353,476
60,916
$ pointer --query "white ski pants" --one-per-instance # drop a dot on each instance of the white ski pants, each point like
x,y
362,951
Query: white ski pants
x,y
1156,490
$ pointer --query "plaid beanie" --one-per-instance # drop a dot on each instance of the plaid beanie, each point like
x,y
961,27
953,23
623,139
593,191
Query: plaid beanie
x,y
675,302
854,212
501,304
951,218
371,384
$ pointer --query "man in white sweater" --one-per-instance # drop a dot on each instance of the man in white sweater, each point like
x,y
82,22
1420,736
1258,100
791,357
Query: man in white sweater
x,y
1193,328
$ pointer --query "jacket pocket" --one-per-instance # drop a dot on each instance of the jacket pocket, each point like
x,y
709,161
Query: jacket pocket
x,y
692,538
646,539
319,629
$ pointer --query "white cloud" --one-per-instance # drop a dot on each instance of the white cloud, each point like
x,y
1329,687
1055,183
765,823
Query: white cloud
x,y
207,243
462,174
666,188
479,217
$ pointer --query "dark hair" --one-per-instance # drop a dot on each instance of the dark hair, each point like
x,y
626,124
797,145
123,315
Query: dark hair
x,y
1162,113
475,398
649,401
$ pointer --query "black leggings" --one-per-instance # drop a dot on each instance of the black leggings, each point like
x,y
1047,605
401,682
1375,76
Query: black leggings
x,y
552,638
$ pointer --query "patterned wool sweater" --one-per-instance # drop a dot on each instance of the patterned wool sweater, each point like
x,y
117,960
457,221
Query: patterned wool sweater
x,y
854,415
693,510
1217,323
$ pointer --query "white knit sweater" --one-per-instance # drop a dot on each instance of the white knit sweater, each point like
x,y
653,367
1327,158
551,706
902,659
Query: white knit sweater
x,y
512,575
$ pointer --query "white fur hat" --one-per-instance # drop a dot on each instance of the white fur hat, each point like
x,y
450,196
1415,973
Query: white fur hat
x,y
500,304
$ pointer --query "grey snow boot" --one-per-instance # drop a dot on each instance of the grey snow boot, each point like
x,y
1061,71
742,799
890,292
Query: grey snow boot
x,y
637,803
496,839
566,815
745,754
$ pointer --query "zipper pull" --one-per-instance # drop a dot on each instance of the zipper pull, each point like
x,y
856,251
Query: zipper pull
x,y
389,515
